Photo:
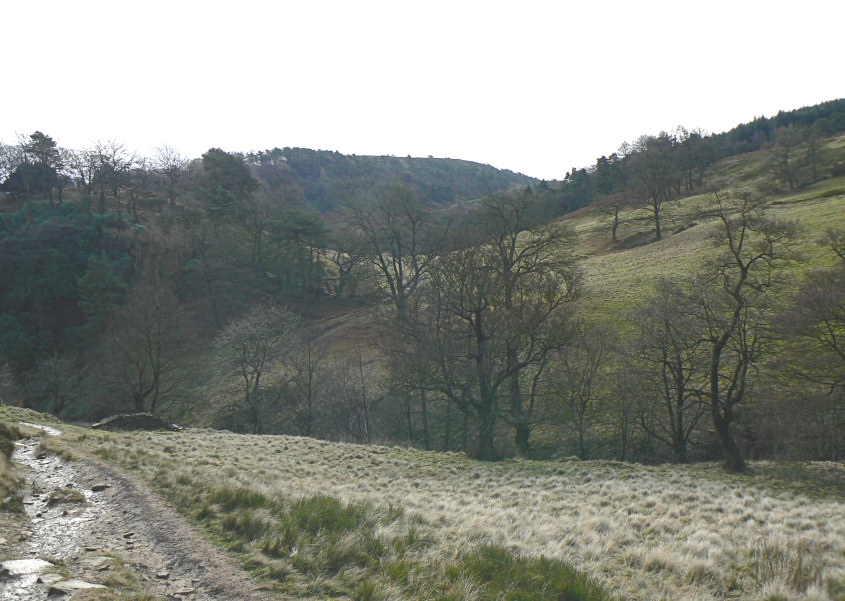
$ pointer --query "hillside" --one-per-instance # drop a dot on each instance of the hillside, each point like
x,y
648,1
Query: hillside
x,y
325,176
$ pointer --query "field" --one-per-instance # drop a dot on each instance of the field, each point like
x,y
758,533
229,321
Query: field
x,y
317,519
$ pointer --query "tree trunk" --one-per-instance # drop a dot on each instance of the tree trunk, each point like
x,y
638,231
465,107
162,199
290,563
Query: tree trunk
x,y
487,450
424,409
734,461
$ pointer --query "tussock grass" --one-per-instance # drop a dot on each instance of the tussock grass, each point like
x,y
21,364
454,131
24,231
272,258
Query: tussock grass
x,y
321,519
10,481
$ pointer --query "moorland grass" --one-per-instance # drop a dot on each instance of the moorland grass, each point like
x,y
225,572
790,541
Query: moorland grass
x,y
319,519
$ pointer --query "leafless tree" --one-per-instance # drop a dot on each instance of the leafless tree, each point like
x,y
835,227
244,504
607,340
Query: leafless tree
x,y
171,167
247,345
401,237
145,345
731,306
574,379
672,363
490,315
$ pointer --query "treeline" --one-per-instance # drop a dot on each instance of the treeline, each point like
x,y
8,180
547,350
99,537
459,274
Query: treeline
x,y
321,173
656,168
117,265
486,346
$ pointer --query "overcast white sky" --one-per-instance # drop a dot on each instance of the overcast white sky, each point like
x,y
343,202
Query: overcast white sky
x,y
532,86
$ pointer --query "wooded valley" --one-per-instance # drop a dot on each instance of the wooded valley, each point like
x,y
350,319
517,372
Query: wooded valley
x,y
682,299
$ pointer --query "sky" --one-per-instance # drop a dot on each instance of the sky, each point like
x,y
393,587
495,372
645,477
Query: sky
x,y
537,87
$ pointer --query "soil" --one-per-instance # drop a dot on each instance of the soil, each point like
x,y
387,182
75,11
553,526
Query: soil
x,y
91,525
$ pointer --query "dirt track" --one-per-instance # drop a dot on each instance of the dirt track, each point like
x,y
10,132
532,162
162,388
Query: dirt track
x,y
120,529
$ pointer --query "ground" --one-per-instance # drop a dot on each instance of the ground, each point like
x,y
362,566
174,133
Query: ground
x,y
91,525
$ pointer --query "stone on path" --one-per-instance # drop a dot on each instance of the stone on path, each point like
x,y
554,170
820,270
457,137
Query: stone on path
x,y
21,567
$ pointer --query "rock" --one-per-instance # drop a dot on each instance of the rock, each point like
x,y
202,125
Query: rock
x,y
99,487
51,578
100,563
135,421
163,575
20,567
129,535
68,587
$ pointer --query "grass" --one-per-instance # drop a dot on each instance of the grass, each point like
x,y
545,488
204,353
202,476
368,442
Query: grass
x,y
619,280
10,480
317,519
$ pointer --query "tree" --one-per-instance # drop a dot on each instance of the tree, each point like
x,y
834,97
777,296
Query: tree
x,y
524,249
226,183
347,253
111,166
11,156
138,186
669,357
171,167
401,236
353,396
41,149
788,158
575,370
654,169
100,288
307,383
491,314
30,181
297,238
610,208
247,345
146,342
730,306
815,323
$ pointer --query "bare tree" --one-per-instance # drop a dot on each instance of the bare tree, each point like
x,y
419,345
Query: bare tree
x,y
672,363
815,323
401,237
11,157
730,306
348,255
146,342
574,378
247,345
307,386
490,314
171,167
654,169
353,395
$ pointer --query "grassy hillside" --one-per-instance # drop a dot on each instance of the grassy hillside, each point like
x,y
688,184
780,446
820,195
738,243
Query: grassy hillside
x,y
317,519
619,278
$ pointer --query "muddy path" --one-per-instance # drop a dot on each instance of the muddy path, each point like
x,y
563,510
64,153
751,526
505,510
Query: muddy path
x,y
91,525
